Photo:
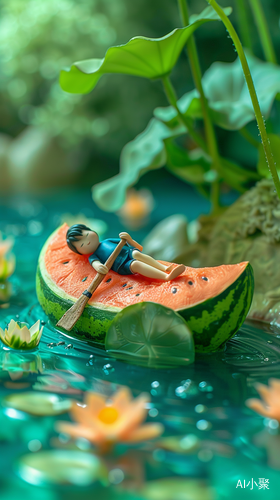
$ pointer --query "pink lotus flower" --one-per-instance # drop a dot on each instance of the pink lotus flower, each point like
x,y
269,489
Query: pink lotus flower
x,y
106,422
270,406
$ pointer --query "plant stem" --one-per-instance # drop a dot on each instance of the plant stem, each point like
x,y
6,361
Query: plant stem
x,y
172,99
263,30
197,77
244,24
252,91
246,134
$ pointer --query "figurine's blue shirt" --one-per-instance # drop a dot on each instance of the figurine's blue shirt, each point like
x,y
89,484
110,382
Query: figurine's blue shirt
x,y
123,260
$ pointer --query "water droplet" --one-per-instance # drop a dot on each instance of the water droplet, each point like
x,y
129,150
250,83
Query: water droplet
x,y
107,369
116,476
153,412
189,441
273,424
181,391
203,425
205,455
155,384
69,346
34,445
205,386
200,408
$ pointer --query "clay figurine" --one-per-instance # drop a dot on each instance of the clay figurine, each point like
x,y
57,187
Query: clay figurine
x,y
82,240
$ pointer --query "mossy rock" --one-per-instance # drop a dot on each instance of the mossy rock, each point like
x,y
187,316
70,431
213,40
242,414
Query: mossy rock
x,y
250,230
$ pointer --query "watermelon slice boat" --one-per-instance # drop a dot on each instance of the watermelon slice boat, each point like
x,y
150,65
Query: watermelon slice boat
x,y
214,301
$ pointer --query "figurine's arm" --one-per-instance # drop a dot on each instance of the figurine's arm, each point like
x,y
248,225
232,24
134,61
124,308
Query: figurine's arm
x,y
100,268
130,241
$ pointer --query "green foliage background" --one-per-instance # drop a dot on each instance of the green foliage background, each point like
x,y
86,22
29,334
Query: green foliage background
x,y
38,38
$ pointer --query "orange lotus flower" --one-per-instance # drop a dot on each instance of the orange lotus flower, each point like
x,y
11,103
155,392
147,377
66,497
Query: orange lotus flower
x,y
106,422
270,406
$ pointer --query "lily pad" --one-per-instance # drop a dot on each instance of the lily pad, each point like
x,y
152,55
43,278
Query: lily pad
x,y
38,403
60,467
228,96
176,488
151,335
145,57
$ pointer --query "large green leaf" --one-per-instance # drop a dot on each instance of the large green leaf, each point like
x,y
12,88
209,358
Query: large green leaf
x,y
262,163
158,246
146,57
228,96
146,152
189,166
150,334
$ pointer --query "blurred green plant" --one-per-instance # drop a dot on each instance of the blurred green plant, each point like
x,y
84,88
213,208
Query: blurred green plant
x,y
221,98
37,39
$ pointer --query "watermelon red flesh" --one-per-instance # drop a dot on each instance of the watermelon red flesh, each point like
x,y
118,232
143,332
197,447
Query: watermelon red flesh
x,y
214,308
72,273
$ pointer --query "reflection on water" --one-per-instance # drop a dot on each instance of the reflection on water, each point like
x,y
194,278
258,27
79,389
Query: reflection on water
x,y
207,425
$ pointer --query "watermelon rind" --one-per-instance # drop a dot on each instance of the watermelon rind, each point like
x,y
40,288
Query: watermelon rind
x,y
213,321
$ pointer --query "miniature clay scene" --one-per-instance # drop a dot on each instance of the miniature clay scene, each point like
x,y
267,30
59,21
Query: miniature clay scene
x,y
139,248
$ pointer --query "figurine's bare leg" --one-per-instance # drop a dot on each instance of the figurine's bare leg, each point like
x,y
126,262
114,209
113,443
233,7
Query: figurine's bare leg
x,y
151,272
147,259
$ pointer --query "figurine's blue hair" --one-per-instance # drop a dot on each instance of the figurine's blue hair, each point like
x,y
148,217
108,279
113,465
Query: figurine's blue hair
x,y
73,232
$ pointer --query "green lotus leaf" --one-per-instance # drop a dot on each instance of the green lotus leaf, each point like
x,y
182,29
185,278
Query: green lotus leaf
x,y
38,403
189,166
61,467
158,246
228,96
236,176
152,335
262,163
146,152
145,57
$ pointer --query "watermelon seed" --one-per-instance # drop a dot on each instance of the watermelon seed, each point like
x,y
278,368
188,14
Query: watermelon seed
x,y
204,278
137,294
84,279
130,288
108,281
124,285
67,262
174,290
190,283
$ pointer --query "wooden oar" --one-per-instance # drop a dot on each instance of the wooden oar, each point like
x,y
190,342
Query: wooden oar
x,y
71,316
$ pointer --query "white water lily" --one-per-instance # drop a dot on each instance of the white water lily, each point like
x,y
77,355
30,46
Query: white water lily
x,y
19,336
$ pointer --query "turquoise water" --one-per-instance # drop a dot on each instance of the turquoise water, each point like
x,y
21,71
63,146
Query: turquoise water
x,y
202,406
